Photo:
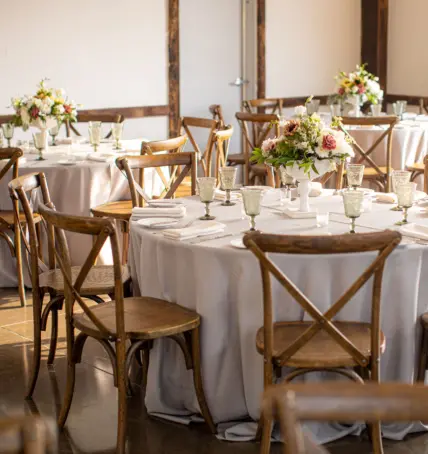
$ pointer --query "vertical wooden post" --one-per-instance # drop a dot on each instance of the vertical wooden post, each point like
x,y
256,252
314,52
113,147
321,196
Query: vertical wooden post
x,y
173,66
374,37
261,49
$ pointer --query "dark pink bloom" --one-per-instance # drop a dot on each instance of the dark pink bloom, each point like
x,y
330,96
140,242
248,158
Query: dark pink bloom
x,y
341,91
329,142
34,112
67,109
361,89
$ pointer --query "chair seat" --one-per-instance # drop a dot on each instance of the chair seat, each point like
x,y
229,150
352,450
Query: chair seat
x,y
370,172
322,350
416,167
236,158
8,218
145,318
117,210
100,280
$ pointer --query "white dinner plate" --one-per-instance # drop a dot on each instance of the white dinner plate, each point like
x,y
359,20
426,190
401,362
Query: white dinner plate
x,y
65,162
158,223
238,244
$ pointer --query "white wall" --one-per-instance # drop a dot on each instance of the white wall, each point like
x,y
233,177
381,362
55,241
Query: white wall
x,y
103,52
407,49
308,42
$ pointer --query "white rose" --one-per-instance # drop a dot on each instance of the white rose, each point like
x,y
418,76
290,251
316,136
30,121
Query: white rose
x,y
36,101
59,109
373,87
300,110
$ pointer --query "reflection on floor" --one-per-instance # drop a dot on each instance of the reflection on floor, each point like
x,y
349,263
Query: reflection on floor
x,y
91,426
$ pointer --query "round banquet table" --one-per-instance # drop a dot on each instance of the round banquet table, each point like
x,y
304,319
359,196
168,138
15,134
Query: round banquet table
x,y
74,189
223,284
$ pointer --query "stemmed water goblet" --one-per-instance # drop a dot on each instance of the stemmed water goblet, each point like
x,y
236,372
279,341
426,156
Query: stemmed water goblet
x,y
117,131
354,175
207,186
252,198
405,195
53,132
399,177
227,179
40,139
353,203
8,130
95,131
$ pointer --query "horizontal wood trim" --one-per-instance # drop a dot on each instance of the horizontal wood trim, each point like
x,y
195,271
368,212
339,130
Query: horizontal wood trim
x,y
300,100
129,112
412,100
5,119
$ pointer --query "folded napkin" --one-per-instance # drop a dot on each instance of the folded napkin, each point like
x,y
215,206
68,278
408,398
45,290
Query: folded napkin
x,y
415,231
296,214
150,212
316,189
207,228
165,203
221,195
71,140
386,197
101,157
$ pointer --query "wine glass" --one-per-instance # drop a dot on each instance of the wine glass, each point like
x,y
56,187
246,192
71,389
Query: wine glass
x,y
40,140
117,131
354,175
206,186
95,132
252,198
227,179
53,132
376,110
399,177
8,130
405,196
353,203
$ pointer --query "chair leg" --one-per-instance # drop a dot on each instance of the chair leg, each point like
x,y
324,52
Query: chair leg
x,y
37,349
19,270
146,361
423,355
197,379
54,335
122,379
125,242
69,391
39,240
267,426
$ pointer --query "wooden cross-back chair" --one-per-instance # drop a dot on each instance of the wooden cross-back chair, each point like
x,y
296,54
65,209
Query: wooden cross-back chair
x,y
322,344
222,140
189,124
86,117
46,279
121,210
28,435
419,168
9,223
291,404
379,175
255,129
185,160
6,119
139,320
217,113
263,105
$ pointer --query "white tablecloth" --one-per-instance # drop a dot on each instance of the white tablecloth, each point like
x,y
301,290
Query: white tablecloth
x,y
75,190
223,285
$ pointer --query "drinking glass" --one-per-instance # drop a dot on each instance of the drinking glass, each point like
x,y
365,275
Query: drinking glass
x,y
399,177
355,174
286,181
336,110
227,179
405,196
40,139
376,110
399,108
353,203
313,106
116,131
206,186
252,198
322,218
53,132
8,130
95,133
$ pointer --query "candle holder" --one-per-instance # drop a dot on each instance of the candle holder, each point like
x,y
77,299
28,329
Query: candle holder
x,y
206,186
353,204
227,179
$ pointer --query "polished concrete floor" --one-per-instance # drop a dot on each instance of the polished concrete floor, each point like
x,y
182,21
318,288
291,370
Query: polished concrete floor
x,y
91,426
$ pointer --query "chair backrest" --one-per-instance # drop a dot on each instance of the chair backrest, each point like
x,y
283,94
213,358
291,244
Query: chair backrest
x,y
189,124
86,117
364,155
12,155
340,401
102,230
263,105
6,119
186,159
217,113
222,140
260,244
28,435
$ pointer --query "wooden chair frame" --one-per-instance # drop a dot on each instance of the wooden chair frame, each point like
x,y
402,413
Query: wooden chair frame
x,y
83,117
222,140
260,244
217,113
271,106
103,229
341,401
261,126
186,158
188,123
381,178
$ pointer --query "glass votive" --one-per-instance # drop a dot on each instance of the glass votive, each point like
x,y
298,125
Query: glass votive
x,y
353,204
322,218
227,180
354,175
252,199
376,110
206,187
367,203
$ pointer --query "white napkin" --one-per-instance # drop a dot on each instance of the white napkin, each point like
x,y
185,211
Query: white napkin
x,y
101,157
296,214
207,228
165,203
415,231
221,195
386,197
149,212
71,140
316,189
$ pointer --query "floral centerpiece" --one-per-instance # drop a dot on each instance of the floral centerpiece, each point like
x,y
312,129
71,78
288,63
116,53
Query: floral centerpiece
x,y
47,108
306,149
358,87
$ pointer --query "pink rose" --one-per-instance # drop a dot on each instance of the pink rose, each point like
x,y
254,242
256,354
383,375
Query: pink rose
x,y
269,145
329,142
361,89
34,112
341,91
